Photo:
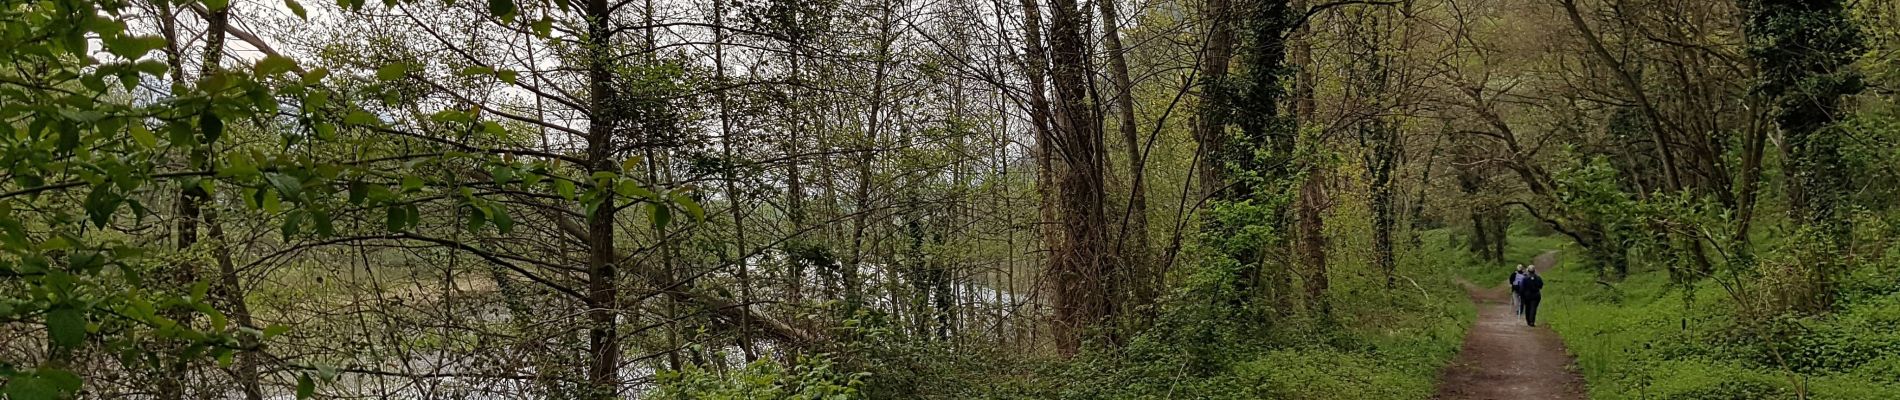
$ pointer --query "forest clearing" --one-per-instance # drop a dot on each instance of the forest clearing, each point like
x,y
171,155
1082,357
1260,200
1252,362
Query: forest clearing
x,y
949,199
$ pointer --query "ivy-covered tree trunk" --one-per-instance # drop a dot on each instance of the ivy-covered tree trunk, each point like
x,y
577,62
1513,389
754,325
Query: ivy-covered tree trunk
x,y
603,339
1079,264
1210,126
1804,49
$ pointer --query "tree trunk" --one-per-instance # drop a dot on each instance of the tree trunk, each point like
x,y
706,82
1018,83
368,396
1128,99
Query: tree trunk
x,y
603,340
1804,50
1142,278
1210,128
1078,265
1311,218
231,293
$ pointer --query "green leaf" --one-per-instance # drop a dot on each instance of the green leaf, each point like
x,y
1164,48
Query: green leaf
x,y
66,327
396,219
503,174
305,387
45,384
212,125
662,215
499,216
322,221
692,207
359,191
133,47
502,8
411,183
477,216
271,202
290,186
293,224
296,8
101,203
143,135
412,215
633,189
392,71
315,76
507,75
275,64
543,27
274,330
316,100
565,188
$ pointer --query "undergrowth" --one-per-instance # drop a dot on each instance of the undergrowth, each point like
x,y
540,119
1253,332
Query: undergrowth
x,y
1379,343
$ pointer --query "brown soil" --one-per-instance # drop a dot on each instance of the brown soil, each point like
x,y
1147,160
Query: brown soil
x,y
1504,359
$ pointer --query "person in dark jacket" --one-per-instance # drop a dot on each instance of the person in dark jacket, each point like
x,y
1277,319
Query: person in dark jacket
x,y
1530,289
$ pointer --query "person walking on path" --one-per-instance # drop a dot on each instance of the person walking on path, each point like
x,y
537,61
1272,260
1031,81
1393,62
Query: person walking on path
x,y
1517,278
1530,290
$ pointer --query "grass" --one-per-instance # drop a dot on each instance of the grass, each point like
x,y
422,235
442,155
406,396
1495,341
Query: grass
x,y
1645,338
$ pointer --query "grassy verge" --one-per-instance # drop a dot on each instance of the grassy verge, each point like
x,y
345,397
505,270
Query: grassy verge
x,y
1646,338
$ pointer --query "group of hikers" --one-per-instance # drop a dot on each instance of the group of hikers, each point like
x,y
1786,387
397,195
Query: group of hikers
x,y
1527,289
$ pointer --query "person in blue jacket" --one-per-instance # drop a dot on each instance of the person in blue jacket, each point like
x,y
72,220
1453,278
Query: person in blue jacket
x,y
1517,278
1530,290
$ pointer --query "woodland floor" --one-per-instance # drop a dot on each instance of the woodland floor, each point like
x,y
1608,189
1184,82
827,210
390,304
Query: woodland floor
x,y
1504,359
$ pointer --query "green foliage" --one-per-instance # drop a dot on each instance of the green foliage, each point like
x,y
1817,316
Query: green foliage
x,y
808,378
86,143
1648,337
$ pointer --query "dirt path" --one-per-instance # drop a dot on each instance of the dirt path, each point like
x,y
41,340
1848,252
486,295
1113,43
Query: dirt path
x,y
1503,359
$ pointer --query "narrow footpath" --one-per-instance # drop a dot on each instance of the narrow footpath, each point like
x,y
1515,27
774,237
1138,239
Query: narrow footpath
x,y
1504,359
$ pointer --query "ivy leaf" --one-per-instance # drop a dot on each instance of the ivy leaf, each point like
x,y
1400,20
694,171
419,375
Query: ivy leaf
x,y
66,327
